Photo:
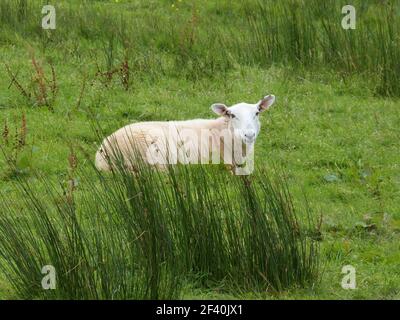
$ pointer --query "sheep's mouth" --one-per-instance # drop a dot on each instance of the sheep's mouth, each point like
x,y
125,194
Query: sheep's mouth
x,y
248,140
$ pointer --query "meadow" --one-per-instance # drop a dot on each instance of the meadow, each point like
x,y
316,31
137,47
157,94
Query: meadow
x,y
327,172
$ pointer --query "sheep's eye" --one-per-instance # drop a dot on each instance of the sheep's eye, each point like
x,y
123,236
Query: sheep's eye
x,y
257,113
232,115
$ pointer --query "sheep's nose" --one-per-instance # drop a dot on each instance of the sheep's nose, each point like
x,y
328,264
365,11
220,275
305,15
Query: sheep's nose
x,y
250,135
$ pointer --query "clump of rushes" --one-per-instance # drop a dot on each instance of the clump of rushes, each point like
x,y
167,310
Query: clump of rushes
x,y
92,243
301,35
139,235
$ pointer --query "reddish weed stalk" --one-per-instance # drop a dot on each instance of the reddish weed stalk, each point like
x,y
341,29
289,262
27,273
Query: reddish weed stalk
x,y
13,145
122,70
41,88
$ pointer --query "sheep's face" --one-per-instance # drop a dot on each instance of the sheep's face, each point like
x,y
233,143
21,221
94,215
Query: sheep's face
x,y
243,118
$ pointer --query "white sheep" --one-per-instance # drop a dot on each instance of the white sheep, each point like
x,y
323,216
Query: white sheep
x,y
229,138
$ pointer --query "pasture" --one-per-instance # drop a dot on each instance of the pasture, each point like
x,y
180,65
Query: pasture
x,y
331,139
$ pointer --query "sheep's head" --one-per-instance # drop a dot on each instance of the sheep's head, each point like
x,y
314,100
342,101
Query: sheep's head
x,y
243,118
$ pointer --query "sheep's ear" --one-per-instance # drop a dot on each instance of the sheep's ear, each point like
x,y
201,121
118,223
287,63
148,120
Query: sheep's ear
x,y
266,102
220,109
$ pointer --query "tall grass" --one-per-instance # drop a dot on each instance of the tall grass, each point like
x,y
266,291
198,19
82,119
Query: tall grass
x,y
142,235
96,253
206,41
309,34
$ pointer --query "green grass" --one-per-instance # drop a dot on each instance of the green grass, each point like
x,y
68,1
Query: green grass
x,y
124,236
334,129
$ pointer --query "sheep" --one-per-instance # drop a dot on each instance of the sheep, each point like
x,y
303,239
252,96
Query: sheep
x,y
229,138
